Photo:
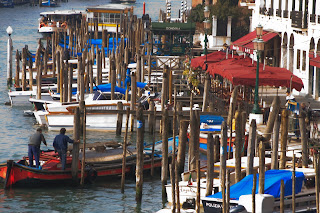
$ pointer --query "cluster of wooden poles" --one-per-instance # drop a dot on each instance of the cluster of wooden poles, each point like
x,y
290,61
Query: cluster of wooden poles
x,y
131,46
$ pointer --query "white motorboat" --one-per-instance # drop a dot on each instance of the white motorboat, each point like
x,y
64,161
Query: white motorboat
x,y
52,21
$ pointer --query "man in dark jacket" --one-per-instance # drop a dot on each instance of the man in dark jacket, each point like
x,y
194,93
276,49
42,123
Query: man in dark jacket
x,y
60,144
34,147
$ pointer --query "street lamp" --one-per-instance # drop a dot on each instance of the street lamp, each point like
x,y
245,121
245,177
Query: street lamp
x,y
206,27
9,57
259,47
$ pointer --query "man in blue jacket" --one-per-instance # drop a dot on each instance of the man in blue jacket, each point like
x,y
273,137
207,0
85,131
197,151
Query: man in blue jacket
x,y
60,144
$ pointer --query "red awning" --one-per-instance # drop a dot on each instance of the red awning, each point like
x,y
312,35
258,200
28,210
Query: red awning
x,y
241,71
314,61
245,44
199,62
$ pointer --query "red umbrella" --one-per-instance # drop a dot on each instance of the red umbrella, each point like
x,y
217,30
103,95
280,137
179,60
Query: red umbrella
x,y
211,58
242,72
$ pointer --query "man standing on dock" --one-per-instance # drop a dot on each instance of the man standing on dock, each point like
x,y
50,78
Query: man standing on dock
x,y
60,144
34,147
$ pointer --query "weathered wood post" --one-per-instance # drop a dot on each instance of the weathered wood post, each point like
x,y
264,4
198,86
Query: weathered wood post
x,y
76,145
261,166
254,188
304,139
70,80
133,97
17,77
216,149
139,166
192,143
317,181
210,163
237,146
282,197
284,138
84,132
198,187
58,70
182,145
151,117
251,146
206,92
232,107
65,82
294,183
223,162
228,191
274,112
39,79
119,118
164,95
275,143
153,142
124,147
164,162
24,69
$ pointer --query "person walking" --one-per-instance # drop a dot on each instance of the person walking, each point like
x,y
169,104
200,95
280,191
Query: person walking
x,y
60,144
34,147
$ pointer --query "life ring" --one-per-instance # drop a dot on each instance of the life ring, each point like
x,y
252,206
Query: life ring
x,y
91,175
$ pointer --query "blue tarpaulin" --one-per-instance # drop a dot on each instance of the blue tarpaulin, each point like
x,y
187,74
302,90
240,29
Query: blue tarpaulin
x,y
211,119
107,88
272,184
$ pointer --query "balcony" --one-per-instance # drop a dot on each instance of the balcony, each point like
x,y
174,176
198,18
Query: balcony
x,y
313,18
263,10
285,14
278,12
270,12
299,20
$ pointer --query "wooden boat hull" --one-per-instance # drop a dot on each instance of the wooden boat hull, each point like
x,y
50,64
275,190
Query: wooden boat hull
x,y
14,174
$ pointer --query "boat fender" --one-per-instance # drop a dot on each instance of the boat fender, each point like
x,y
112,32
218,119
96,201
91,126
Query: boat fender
x,y
238,209
91,175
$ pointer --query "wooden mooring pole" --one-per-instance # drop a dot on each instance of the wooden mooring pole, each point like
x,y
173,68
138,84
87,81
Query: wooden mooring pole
x,y
182,145
210,164
139,162
76,145
119,118
164,162
261,166
223,167
275,143
124,147
83,162
251,146
284,138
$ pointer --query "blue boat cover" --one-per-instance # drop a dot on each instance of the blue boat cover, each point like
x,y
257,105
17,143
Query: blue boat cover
x,y
272,184
107,88
211,119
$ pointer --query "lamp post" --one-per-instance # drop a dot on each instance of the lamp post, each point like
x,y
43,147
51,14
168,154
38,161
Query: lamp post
x,y
206,28
9,57
258,46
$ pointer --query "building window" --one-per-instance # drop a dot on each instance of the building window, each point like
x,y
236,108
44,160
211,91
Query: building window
x,y
304,55
298,59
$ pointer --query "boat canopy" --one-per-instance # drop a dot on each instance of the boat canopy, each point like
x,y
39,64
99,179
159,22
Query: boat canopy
x,y
211,119
62,12
272,184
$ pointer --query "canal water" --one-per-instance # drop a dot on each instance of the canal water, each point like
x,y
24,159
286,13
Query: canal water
x,y
15,129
